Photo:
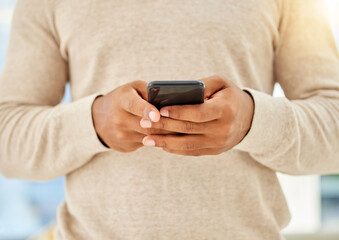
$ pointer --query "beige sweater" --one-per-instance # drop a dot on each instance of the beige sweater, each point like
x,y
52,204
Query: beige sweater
x,y
150,194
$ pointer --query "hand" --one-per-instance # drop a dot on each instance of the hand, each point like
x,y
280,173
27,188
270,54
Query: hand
x,y
116,117
210,128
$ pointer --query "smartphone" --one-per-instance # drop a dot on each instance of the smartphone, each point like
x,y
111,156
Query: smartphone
x,y
165,93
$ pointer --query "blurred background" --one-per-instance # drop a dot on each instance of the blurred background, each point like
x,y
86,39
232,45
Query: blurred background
x,y
28,207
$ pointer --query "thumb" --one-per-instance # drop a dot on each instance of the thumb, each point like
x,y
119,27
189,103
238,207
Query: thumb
x,y
150,112
214,84
135,104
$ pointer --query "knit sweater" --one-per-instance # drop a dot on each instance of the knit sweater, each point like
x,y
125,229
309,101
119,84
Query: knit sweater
x,y
147,194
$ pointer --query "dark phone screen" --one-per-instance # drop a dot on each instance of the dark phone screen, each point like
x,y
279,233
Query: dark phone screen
x,y
164,93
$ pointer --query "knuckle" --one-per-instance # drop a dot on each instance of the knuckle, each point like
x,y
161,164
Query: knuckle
x,y
189,146
162,124
118,122
163,143
145,131
121,136
226,130
188,126
151,131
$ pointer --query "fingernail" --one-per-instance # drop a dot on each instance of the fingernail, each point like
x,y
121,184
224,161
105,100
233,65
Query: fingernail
x,y
145,123
149,143
164,113
152,115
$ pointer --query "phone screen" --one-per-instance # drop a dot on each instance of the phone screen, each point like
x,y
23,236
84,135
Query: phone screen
x,y
164,93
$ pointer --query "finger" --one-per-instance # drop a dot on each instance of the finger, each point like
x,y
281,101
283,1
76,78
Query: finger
x,y
205,112
135,145
130,122
198,152
214,84
178,142
151,130
135,104
178,126
141,88
137,137
128,137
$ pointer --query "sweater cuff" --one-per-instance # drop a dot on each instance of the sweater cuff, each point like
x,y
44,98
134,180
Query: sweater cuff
x,y
81,131
269,125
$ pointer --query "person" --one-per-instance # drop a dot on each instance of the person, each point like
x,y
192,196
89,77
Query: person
x,y
204,171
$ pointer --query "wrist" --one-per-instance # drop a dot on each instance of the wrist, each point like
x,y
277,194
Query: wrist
x,y
96,115
249,111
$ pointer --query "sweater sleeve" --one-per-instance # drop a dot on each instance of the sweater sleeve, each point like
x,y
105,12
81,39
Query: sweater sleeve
x,y
299,134
40,138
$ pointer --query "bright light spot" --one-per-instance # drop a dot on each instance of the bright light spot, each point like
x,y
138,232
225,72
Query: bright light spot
x,y
6,15
333,10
